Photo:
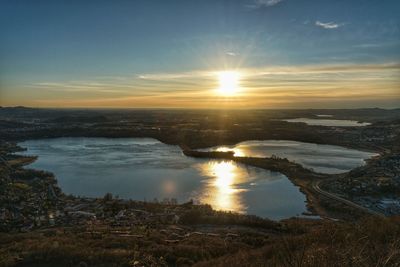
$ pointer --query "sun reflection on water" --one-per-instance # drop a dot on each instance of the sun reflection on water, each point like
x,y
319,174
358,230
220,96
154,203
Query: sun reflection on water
x,y
238,152
222,191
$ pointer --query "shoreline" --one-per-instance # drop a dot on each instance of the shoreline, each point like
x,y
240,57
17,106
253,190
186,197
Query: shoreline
x,y
188,153
305,179
299,176
171,138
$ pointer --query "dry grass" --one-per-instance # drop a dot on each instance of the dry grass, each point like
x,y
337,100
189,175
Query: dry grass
x,y
300,243
371,242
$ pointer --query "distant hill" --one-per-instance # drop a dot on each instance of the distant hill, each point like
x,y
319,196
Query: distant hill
x,y
79,119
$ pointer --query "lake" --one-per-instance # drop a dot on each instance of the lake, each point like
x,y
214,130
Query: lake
x,y
144,169
329,122
321,158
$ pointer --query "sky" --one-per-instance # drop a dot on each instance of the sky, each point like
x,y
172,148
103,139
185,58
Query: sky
x,y
171,53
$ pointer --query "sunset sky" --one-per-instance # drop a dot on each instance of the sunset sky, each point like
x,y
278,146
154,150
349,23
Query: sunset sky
x,y
173,54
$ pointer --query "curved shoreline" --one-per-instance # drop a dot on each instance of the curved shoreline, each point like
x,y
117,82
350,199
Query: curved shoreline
x,y
301,177
195,171
173,137
307,180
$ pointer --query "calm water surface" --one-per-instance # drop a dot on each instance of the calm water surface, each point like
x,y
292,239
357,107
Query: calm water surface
x,y
144,168
328,122
321,158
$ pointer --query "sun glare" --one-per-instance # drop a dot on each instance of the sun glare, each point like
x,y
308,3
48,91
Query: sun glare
x,y
228,82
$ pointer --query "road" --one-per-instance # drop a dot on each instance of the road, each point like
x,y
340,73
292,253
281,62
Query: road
x,y
316,187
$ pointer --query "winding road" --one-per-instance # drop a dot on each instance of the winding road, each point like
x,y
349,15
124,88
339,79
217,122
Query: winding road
x,y
316,187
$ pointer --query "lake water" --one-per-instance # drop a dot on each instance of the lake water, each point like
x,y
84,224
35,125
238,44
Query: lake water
x,y
329,122
144,169
321,158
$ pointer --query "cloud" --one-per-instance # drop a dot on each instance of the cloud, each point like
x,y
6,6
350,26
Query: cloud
x,y
272,86
174,76
232,54
328,25
367,45
264,3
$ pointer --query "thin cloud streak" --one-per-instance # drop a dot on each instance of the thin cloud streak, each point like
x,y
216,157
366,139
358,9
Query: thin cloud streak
x,y
264,3
198,89
328,25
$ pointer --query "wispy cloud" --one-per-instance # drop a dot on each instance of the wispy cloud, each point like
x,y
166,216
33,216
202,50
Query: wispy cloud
x,y
368,45
264,3
78,87
175,76
328,25
281,86
232,54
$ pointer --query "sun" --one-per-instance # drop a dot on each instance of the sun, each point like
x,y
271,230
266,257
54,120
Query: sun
x,y
228,82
